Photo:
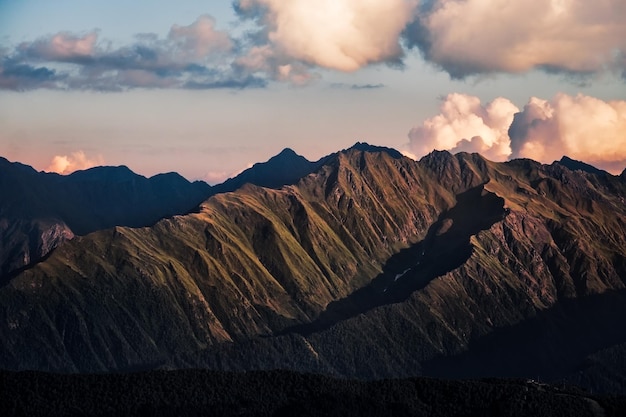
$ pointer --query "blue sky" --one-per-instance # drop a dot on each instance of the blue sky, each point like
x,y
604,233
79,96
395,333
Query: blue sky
x,y
197,88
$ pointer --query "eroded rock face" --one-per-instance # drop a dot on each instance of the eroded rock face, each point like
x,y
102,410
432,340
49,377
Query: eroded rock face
x,y
24,243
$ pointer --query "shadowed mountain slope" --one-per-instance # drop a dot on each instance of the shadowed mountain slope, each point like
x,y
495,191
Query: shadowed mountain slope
x,y
373,265
579,165
40,210
283,169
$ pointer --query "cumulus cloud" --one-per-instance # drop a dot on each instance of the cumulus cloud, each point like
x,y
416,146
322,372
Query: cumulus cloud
x,y
344,35
289,41
581,127
465,124
478,36
66,164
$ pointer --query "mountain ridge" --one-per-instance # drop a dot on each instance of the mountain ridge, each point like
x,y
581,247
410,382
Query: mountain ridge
x,y
444,252
41,210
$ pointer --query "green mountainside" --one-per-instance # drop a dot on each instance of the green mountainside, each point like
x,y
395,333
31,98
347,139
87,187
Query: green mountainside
x,y
39,211
373,265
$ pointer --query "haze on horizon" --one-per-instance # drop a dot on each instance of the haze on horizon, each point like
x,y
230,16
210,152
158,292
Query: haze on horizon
x,y
207,88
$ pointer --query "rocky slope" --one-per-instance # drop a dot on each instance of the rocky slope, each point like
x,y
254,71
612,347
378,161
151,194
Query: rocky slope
x,y
373,265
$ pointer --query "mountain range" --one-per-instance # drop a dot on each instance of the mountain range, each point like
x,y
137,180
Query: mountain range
x,y
363,264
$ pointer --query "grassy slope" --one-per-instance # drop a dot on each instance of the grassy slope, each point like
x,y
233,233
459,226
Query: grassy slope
x,y
249,263
259,261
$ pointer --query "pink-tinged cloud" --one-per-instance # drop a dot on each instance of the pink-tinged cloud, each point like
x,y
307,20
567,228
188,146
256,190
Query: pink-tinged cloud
x,y
66,164
581,127
196,56
200,38
339,34
465,124
62,47
481,36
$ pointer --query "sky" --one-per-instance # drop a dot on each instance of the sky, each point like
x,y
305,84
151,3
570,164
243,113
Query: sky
x,y
207,88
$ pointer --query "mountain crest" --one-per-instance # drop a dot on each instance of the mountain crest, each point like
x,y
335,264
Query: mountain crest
x,y
575,165
285,168
366,147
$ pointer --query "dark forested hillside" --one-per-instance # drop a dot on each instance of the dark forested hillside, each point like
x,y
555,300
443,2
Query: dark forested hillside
x,y
279,393
373,265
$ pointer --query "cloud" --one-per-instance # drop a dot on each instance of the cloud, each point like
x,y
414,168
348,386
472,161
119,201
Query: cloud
x,y
581,127
464,124
200,38
264,60
66,164
18,76
357,86
477,36
240,83
189,57
343,35
290,41
62,47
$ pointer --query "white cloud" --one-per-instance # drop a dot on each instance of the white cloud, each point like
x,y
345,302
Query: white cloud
x,y
66,164
464,124
476,36
581,127
340,34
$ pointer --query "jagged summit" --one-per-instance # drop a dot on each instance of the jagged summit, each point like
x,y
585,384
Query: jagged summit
x,y
575,165
366,147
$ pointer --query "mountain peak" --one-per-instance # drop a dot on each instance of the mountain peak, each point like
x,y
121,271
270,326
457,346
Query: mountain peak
x,y
108,173
287,152
575,165
283,169
366,147
437,157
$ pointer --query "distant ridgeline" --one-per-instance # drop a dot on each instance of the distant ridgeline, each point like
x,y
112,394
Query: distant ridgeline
x,y
363,264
